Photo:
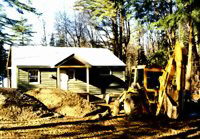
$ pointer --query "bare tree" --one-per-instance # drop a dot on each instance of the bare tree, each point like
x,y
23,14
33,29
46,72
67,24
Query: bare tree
x,y
44,38
77,31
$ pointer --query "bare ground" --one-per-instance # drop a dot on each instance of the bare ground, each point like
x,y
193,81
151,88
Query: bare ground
x,y
63,102
28,123
117,127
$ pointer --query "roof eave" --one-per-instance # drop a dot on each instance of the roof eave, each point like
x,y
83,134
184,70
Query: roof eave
x,y
34,66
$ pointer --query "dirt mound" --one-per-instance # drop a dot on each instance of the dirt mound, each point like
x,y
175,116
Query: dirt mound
x,y
16,106
65,103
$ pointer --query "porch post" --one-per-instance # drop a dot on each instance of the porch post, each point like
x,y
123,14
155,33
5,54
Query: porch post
x,y
58,77
14,76
87,79
8,78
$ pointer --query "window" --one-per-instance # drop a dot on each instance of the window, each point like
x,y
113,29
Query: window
x,y
71,74
153,80
104,71
34,76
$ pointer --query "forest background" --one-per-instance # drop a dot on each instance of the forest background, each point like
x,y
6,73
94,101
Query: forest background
x,y
137,31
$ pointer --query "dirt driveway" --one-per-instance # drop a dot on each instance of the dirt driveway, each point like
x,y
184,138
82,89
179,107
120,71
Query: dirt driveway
x,y
118,127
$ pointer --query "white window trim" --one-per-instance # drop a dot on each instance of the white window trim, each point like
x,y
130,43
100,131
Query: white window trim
x,y
38,82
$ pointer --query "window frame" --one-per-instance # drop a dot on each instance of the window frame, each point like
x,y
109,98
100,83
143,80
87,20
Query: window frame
x,y
38,76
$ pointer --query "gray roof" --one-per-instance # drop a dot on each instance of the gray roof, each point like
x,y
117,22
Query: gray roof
x,y
50,56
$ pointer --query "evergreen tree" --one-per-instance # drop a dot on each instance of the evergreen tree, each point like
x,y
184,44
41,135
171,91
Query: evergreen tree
x,y
3,58
61,41
22,33
170,16
7,23
52,40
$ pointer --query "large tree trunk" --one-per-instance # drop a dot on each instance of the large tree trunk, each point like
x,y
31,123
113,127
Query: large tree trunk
x,y
189,62
171,34
115,34
194,49
126,39
121,31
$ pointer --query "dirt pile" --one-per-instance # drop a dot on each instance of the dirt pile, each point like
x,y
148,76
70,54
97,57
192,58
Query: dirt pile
x,y
62,102
16,106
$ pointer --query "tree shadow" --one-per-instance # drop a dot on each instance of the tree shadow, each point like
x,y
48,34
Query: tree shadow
x,y
185,134
25,86
47,125
145,126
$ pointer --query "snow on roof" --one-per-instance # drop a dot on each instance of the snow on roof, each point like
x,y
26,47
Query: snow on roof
x,y
50,56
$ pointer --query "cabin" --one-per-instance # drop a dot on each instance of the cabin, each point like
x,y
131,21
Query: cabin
x,y
91,70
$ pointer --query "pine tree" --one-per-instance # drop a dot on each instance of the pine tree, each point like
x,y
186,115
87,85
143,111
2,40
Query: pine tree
x,y
22,33
52,40
3,58
7,23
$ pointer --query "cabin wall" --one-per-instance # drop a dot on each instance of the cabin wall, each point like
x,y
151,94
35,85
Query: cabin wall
x,y
101,81
79,86
98,82
119,74
46,79
22,75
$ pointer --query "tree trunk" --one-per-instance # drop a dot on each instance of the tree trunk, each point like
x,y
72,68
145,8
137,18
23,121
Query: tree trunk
x,y
189,62
194,49
115,40
172,38
126,38
121,31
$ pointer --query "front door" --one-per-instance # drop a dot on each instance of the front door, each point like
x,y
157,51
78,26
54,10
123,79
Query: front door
x,y
64,80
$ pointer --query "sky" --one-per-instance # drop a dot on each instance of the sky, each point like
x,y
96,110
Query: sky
x,y
49,8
